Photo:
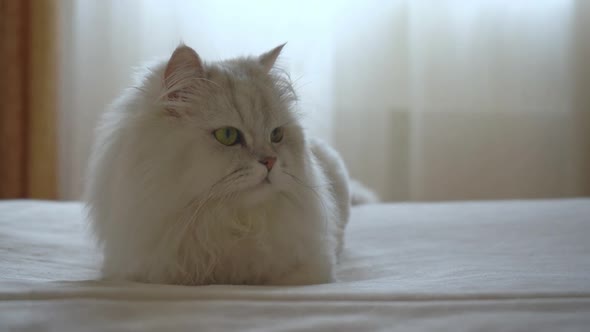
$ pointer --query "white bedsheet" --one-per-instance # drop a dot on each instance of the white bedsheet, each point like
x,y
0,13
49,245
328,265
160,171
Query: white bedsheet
x,y
520,265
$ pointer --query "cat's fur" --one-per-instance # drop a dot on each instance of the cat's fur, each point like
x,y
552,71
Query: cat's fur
x,y
171,204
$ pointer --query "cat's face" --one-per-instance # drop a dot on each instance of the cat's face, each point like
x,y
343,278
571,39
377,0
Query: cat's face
x,y
244,140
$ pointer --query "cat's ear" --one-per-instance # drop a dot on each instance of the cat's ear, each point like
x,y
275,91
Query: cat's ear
x,y
184,59
268,59
180,78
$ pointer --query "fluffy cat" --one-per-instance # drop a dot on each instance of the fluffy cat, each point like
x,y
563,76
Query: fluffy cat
x,y
203,174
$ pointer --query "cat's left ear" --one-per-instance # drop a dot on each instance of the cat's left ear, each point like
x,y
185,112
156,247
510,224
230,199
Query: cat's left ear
x,y
268,59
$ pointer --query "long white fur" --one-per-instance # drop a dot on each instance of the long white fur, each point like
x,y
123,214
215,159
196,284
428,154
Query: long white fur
x,y
170,204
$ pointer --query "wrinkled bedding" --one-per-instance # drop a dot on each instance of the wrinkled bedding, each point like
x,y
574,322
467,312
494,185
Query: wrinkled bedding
x,y
463,266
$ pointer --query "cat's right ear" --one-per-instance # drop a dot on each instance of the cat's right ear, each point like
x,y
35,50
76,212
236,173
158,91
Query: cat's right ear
x,y
183,59
180,77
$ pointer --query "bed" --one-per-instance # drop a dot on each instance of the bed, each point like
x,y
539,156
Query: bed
x,y
465,266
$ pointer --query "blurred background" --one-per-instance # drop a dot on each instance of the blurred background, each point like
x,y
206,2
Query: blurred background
x,y
425,100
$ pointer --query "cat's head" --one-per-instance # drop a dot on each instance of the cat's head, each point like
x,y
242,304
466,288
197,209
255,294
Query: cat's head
x,y
228,129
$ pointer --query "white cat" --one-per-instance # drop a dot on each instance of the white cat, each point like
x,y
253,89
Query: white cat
x,y
203,174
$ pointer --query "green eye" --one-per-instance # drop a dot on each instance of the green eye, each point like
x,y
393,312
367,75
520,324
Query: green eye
x,y
227,136
276,135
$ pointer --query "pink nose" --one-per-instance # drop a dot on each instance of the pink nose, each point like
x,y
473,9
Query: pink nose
x,y
269,162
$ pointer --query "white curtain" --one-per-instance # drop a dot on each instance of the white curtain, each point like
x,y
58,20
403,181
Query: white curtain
x,y
426,100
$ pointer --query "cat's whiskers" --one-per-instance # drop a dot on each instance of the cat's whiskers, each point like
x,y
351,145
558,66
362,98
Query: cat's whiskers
x,y
213,192
300,182
188,220
313,190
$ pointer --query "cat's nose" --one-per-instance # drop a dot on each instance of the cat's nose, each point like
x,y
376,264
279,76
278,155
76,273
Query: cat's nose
x,y
268,162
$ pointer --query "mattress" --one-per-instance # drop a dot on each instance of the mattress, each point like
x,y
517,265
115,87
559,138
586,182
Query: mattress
x,y
464,266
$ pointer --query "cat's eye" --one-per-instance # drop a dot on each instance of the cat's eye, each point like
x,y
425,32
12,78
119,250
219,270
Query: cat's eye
x,y
227,135
276,135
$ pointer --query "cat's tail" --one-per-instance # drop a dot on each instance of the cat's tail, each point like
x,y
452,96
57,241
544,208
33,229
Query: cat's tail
x,y
361,194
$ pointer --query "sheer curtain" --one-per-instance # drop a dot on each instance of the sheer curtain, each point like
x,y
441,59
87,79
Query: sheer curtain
x,y
467,99
426,100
